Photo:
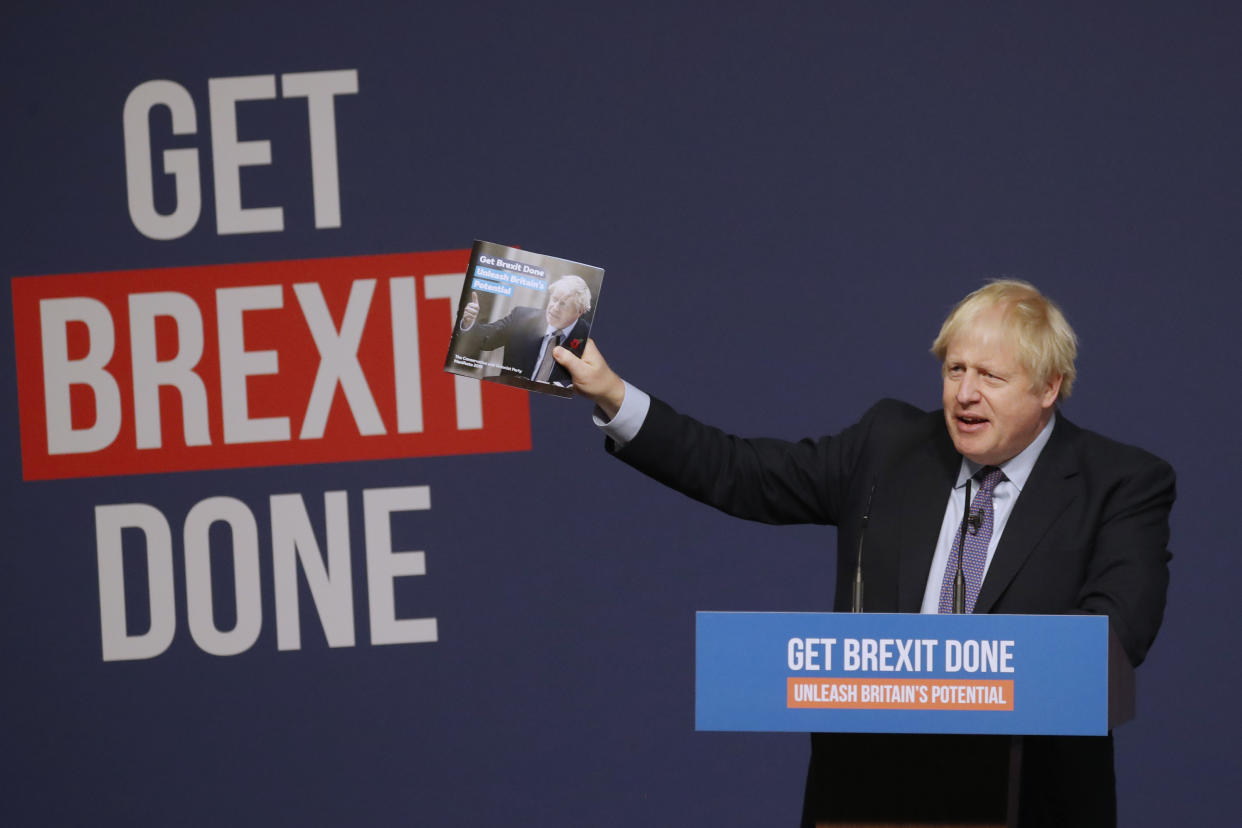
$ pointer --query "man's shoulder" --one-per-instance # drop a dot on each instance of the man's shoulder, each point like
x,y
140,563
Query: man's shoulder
x,y
521,321
892,429
897,415
581,328
525,313
1100,450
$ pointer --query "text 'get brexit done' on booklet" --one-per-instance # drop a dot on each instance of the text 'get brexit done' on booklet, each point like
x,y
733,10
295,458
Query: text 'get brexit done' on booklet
x,y
515,307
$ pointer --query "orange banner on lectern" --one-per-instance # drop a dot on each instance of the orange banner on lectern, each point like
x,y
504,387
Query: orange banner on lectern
x,y
900,694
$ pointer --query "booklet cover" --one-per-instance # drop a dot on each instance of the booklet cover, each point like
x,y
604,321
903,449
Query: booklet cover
x,y
515,307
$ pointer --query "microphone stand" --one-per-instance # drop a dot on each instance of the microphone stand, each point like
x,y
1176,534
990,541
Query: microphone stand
x,y
959,580
856,605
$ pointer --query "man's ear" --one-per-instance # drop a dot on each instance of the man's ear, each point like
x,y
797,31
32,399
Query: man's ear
x,y
1052,390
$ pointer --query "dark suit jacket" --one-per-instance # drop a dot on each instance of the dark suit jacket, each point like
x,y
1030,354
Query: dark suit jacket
x,y
521,334
1089,533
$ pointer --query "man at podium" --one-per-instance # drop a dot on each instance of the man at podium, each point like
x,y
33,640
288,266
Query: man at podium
x,y
1061,520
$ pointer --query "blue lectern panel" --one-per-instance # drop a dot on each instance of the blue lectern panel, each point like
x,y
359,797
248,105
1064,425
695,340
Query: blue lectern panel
x,y
1025,674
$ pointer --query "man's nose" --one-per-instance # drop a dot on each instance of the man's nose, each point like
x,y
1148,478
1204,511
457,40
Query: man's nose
x,y
968,388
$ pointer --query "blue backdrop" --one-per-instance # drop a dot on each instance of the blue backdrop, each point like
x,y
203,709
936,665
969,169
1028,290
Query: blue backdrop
x,y
797,192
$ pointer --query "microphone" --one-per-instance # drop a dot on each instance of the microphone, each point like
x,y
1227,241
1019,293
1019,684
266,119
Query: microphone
x,y
975,520
857,602
959,580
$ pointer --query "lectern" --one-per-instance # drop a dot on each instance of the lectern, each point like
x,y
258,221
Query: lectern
x,y
905,689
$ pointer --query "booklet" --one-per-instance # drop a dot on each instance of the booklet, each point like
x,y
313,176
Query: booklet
x,y
515,307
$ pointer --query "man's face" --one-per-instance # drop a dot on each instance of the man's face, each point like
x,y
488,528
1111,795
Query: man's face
x,y
562,308
991,410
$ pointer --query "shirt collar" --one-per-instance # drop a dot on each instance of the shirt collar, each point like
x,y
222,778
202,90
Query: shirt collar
x,y
1017,468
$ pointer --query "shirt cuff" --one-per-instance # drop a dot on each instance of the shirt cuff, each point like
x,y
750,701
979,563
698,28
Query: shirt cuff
x,y
630,418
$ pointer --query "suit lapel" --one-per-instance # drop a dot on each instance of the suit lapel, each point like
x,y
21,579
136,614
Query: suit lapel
x,y
579,332
576,334
928,479
1042,501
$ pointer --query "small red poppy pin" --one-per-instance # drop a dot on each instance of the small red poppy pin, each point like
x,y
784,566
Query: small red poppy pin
x,y
574,343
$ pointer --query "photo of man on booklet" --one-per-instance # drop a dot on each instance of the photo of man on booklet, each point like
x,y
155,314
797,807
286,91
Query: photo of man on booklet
x,y
515,308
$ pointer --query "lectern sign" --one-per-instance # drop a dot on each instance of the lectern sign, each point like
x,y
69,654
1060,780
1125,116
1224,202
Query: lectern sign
x,y
1032,674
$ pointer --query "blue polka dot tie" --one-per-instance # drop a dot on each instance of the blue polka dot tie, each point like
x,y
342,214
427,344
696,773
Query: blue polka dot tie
x,y
975,550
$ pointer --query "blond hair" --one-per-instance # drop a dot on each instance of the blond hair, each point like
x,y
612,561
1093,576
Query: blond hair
x,y
1046,343
573,285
